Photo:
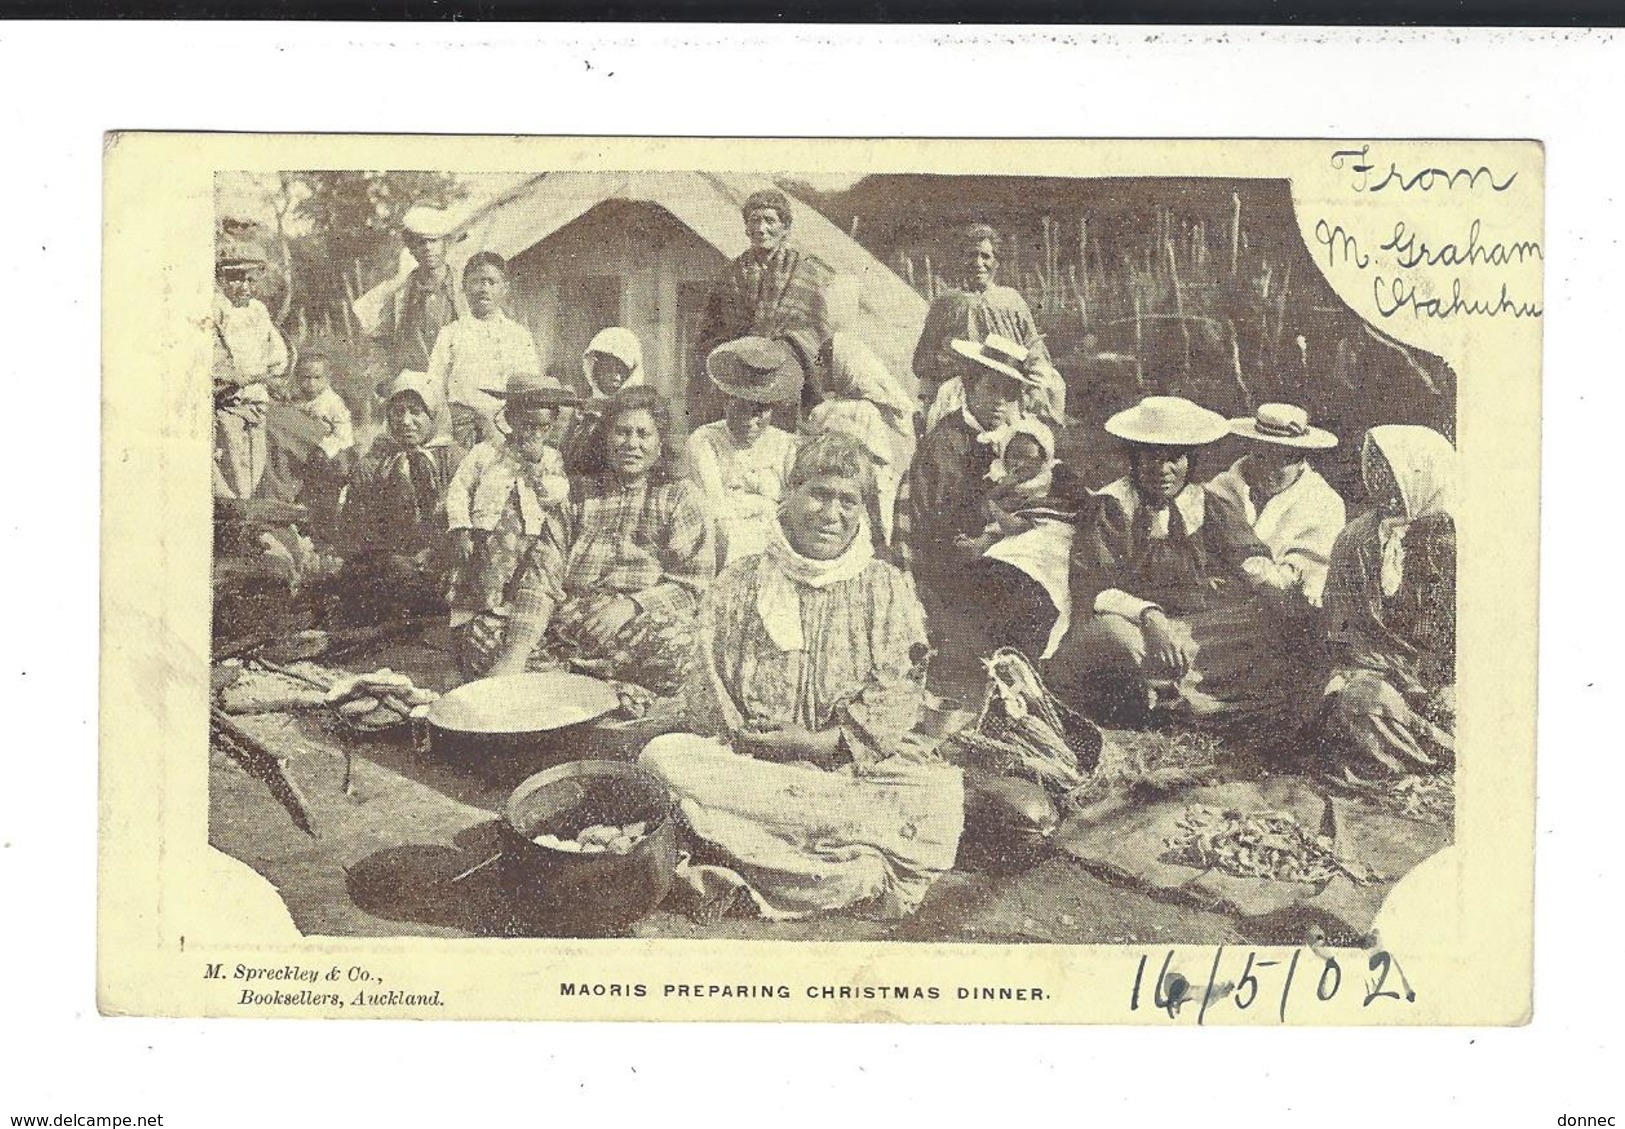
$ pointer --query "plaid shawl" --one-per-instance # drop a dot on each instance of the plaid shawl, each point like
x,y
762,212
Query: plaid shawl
x,y
782,298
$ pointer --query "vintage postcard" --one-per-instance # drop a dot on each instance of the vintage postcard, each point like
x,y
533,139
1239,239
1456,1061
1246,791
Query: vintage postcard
x,y
888,580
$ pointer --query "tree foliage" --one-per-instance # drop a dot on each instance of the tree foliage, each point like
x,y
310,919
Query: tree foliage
x,y
349,222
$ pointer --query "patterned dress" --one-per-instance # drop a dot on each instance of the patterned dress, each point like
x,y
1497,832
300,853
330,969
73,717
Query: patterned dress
x,y
651,542
874,833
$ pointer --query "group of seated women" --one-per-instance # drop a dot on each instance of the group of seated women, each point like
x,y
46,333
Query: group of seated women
x,y
754,580
791,587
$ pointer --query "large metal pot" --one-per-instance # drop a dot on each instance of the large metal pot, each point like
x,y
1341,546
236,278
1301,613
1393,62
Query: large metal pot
x,y
535,719
556,892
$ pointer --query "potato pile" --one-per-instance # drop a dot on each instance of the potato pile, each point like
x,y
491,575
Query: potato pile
x,y
378,700
598,839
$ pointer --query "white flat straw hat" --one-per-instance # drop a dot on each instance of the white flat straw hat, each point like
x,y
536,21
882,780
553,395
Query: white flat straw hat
x,y
1284,424
1168,421
1002,355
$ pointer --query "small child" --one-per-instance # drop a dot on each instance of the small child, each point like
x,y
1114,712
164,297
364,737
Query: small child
x,y
313,394
476,352
497,501
1022,476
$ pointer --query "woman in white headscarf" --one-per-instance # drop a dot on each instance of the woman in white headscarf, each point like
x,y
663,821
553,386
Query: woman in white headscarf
x,y
613,360
1391,601
800,789
864,400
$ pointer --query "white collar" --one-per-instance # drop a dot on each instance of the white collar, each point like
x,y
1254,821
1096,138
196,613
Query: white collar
x,y
1190,502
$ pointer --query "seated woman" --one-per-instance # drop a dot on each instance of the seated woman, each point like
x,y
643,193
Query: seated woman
x,y
392,518
741,460
1152,566
613,582
1391,605
799,780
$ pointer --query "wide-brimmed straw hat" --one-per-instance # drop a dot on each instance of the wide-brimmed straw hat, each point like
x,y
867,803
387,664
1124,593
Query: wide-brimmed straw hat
x,y
1168,421
1284,424
1002,355
758,369
526,391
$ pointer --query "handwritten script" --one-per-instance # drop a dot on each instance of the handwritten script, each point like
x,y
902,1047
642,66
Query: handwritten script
x,y
1425,266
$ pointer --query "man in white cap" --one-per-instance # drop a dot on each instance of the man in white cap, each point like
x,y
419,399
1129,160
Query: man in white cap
x,y
427,301
1291,508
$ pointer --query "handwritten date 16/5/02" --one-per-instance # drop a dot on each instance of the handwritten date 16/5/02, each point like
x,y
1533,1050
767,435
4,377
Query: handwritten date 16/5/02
x,y
1267,979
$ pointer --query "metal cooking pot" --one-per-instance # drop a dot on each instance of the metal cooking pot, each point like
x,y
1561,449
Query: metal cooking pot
x,y
558,892
540,718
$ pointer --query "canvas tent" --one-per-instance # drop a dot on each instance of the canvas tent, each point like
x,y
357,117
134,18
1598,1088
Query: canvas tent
x,y
641,249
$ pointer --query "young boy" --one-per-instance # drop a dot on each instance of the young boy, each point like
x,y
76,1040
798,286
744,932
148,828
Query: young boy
x,y
249,352
476,353
497,500
313,395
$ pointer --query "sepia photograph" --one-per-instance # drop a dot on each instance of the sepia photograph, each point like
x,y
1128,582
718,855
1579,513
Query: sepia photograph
x,y
828,556
821,580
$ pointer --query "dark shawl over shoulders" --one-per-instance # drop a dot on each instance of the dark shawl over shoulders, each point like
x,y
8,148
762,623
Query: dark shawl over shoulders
x,y
1188,571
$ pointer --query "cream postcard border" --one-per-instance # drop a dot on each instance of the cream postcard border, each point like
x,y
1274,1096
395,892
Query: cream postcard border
x,y
169,905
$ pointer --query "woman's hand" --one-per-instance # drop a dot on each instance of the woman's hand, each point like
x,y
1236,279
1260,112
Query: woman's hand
x,y
787,743
605,621
463,543
1162,650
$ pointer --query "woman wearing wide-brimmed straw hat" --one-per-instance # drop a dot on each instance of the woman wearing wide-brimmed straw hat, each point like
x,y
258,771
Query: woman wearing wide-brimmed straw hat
x,y
942,500
1266,653
742,461
498,500
1157,552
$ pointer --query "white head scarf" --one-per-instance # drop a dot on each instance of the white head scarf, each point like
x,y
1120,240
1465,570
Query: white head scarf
x,y
1424,465
622,344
